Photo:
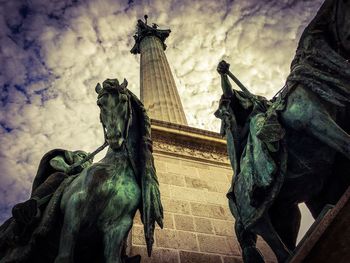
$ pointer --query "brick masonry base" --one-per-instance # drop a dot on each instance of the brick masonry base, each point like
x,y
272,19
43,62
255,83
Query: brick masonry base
x,y
198,226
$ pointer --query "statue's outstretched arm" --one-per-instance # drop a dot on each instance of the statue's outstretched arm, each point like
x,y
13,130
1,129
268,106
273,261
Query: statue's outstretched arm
x,y
226,86
223,68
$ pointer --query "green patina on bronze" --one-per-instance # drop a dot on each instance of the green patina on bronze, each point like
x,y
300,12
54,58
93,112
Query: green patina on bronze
x,y
92,212
296,147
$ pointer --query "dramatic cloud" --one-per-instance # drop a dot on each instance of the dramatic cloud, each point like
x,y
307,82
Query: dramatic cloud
x,y
54,52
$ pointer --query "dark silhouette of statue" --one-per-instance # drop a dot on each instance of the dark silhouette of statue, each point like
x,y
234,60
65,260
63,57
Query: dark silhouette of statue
x,y
83,212
296,147
55,166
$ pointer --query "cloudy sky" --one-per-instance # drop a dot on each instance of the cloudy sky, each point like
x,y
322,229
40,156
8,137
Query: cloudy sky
x,y
54,52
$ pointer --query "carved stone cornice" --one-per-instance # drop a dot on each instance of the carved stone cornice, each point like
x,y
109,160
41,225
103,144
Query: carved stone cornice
x,y
188,142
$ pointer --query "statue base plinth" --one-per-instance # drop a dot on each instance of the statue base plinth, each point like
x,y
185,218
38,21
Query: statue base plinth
x,y
328,238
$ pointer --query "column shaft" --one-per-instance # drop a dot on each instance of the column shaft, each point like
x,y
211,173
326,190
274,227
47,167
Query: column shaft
x,y
158,90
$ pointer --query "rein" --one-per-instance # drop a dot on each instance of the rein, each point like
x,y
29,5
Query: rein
x,y
105,144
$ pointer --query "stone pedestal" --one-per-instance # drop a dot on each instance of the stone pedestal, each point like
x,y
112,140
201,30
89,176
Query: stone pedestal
x,y
328,239
194,175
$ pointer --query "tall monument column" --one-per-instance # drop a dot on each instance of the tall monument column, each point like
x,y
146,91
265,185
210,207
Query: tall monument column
x,y
193,171
158,90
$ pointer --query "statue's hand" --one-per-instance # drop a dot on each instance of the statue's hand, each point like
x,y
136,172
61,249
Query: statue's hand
x,y
223,67
74,169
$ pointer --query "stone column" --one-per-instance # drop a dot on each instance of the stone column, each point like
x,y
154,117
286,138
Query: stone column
x,y
158,90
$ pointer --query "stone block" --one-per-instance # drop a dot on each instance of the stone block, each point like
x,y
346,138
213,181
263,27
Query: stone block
x,y
210,211
164,190
216,198
184,222
199,184
176,206
171,178
234,246
222,170
138,236
228,212
193,257
168,221
229,177
183,170
203,225
222,187
159,255
213,244
167,158
227,259
196,164
223,227
212,176
166,238
190,194
169,238
187,240
160,166
189,171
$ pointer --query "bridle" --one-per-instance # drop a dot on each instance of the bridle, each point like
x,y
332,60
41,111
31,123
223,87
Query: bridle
x,y
105,143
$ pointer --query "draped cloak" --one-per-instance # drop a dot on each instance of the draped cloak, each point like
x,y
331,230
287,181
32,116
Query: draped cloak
x,y
255,145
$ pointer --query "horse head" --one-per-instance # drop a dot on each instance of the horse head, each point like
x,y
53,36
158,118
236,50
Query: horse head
x,y
115,111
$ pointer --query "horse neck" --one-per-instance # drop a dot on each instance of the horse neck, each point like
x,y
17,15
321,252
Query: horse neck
x,y
113,156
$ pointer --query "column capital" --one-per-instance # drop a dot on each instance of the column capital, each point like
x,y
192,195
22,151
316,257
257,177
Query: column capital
x,y
143,30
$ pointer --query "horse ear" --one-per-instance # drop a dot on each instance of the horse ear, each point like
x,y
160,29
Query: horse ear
x,y
124,84
98,88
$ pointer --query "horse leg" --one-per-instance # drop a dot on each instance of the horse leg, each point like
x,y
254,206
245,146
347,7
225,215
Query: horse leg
x,y
114,235
306,112
286,221
69,233
265,229
247,241
323,127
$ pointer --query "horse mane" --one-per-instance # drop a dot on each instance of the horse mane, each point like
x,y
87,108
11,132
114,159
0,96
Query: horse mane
x,y
143,160
139,135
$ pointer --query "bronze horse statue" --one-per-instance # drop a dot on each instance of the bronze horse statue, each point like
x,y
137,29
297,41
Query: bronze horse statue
x,y
101,202
89,216
296,147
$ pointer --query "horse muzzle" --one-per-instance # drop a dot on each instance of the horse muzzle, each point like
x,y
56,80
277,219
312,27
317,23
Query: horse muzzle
x,y
116,143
